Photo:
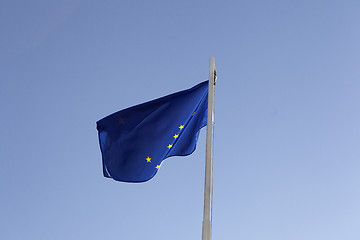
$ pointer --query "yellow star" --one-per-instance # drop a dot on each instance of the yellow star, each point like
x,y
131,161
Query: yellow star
x,y
181,126
193,113
176,136
170,146
157,166
148,159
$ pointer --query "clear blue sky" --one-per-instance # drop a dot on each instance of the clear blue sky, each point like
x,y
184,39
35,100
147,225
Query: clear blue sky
x,y
287,133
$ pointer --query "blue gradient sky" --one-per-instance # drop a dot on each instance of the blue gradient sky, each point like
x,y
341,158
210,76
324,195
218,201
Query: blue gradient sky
x,y
287,118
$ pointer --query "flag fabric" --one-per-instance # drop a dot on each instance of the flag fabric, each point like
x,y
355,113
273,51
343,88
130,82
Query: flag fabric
x,y
136,140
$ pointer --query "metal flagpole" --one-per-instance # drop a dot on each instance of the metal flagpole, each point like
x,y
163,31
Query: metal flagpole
x,y
207,225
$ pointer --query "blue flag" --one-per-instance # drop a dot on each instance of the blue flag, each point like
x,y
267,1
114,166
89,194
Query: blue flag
x,y
136,140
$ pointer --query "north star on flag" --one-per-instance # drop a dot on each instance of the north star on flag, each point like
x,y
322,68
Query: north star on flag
x,y
136,140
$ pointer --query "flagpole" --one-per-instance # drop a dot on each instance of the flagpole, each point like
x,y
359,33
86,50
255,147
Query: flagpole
x,y
207,219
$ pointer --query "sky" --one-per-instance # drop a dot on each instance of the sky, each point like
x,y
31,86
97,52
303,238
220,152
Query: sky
x,y
287,113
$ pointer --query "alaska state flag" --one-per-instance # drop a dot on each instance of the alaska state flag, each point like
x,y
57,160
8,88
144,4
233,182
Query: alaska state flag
x,y
136,140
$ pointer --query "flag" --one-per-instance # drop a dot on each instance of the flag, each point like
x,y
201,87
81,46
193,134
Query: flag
x,y
136,140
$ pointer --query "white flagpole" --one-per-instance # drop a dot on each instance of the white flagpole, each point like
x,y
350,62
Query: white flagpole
x,y
207,225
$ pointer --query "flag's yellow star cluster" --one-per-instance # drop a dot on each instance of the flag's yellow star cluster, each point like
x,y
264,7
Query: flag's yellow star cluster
x,y
148,159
